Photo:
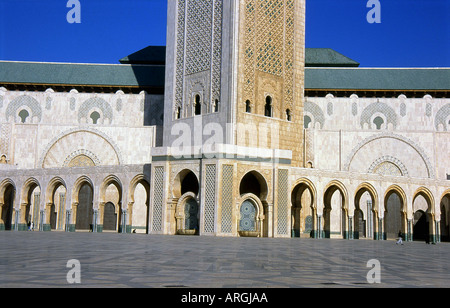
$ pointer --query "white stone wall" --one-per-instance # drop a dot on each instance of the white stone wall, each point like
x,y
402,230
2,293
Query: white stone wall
x,y
412,133
47,129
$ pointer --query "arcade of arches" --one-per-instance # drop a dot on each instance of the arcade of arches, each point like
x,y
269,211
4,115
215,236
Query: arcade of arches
x,y
319,207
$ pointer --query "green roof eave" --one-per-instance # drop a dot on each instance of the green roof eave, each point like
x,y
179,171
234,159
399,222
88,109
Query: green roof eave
x,y
436,79
82,74
327,57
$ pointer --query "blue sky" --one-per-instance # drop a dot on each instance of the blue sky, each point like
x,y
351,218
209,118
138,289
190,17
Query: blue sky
x,y
412,33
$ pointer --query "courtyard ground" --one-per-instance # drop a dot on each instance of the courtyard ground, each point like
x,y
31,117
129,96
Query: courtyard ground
x,y
40,259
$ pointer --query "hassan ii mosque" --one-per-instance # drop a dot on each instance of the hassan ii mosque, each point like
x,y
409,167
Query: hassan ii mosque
x,y
232,129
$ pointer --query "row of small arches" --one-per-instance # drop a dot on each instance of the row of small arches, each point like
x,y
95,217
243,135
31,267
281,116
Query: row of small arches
x,y
268,109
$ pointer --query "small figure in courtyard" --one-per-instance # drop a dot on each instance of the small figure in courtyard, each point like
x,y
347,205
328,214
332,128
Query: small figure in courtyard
x,y
400,238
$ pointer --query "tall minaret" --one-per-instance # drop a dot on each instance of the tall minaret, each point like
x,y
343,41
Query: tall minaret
x,y
238,65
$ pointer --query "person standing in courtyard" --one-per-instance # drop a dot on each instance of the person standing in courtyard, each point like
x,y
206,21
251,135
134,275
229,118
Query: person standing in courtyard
x,y
400,238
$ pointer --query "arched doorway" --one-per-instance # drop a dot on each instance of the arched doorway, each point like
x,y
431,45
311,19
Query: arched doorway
x,y
84,210
365,211
30,206
247,217
335,212
55,204
109,217
185,191
7,205
302,212
445,218
420,226
359,224
423,222
191,214
253,191
138,201
394,215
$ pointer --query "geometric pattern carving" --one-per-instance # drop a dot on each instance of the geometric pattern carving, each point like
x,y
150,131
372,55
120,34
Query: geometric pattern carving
x,y
81,158
158,199
402,109
210,198
442,116
98,103
181,24
316,112
198,36
115,154
378,107
282,206
269,44
354,109
417,148
5,138
198,49
81,161
227,198
191,215
247,220
24,101
388,165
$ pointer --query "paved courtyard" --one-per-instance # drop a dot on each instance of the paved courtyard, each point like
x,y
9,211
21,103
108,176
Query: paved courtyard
x,y
38,259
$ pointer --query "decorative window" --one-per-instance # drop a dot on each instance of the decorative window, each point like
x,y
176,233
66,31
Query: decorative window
x,y
378,121
216,106
248,107
178,113
268,107
95,116
197,105
288,115
306,121
23,114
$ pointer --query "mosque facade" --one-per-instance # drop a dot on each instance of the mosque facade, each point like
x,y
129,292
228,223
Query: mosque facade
x,y
233,129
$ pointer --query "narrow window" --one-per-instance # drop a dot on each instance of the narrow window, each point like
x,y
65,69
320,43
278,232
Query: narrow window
x,y
178,113
248,108
216,105
306,121
268,107
378,121
288,115
95,116
23,114
197,106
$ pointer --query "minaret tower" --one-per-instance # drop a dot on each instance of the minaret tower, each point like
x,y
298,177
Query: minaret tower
x,y
233,119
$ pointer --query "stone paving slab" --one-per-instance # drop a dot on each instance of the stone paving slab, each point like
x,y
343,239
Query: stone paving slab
x,y
39,259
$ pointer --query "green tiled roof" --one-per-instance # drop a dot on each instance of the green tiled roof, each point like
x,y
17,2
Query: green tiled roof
x,y
327,57
153,76
82,74
315,57
377,78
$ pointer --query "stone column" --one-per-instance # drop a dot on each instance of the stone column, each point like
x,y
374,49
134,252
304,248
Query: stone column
x,y
95,220
68,220
101,216
123,221
409,231
130,215
380,229
2,223
16,215
319,226
41,219
350,228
